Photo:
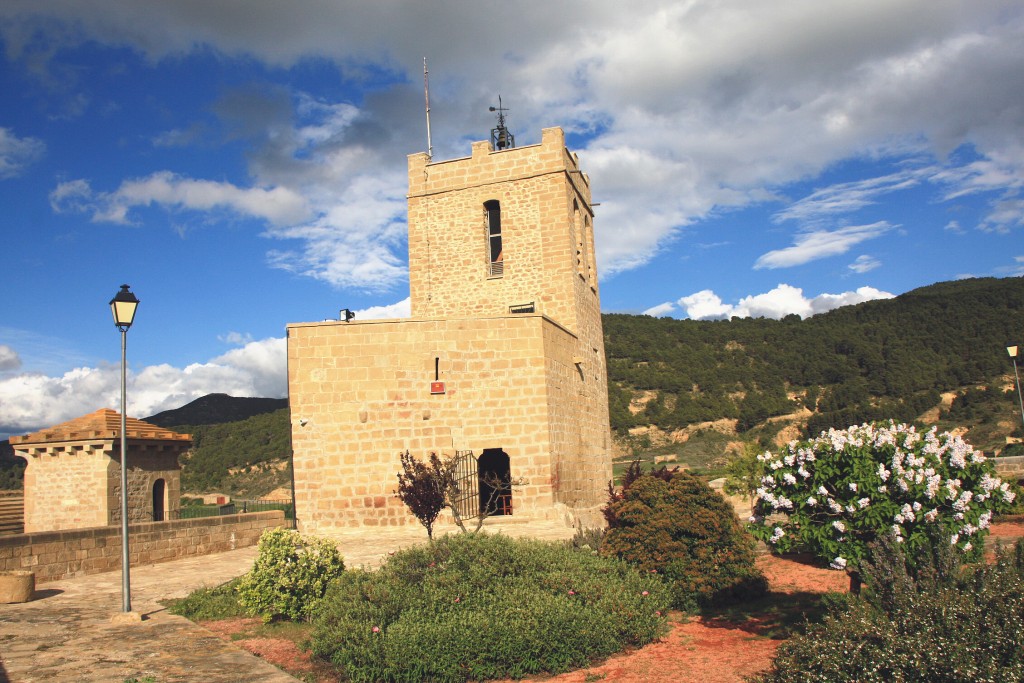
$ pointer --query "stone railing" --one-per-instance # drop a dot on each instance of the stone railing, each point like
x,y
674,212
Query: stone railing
x,y
56,555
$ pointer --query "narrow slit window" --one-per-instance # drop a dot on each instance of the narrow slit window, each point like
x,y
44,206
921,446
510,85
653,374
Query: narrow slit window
x,y
577,229
496,259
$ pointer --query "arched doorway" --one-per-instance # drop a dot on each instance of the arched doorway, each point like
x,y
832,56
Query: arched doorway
x,y
159,494
495,478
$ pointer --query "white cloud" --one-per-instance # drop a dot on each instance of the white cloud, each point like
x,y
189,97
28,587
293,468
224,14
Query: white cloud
x,y
826,302
660,310
17,153
400,309
737,102
32,401
777,303
9,359
353,242
705,305
1015,270
864,264
276,205
235,338
1006,213
819,244
846,197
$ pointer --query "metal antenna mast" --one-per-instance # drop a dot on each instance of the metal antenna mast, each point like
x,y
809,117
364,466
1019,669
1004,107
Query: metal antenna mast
x,y
426,97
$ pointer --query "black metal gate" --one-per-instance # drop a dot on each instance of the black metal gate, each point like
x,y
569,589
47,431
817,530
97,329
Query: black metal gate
x,y
467,491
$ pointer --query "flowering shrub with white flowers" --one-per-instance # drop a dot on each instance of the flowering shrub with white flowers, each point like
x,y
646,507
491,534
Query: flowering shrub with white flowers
x,y
835,494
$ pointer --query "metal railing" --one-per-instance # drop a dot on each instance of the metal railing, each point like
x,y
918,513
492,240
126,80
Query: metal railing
x,y
237,506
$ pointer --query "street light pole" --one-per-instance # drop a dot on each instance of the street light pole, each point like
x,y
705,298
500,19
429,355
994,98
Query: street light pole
x,y
1012,350
123,307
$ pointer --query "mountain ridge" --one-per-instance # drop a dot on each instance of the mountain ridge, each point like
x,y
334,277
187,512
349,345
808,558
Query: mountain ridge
x,y
216,408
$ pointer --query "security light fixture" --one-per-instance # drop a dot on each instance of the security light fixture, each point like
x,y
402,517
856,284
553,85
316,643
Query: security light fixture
x,y
346,315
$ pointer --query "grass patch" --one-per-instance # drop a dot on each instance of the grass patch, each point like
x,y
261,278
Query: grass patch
x,y
208,604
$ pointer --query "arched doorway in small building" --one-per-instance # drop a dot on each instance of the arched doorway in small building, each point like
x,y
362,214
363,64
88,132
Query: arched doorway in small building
x,y
495,482
159,496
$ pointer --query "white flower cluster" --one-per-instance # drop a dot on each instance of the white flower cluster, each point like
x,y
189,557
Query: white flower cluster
x,y
930,477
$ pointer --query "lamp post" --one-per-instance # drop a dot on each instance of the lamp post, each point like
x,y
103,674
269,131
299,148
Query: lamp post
x,y
1012,350
123,307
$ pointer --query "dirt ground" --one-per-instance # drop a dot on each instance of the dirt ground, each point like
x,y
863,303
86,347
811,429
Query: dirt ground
x,y
725,648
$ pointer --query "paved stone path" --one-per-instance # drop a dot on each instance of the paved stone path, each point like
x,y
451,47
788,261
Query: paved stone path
x,y
66,632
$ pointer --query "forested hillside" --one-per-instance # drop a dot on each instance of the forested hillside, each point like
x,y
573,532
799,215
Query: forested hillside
x,y
876,360
255,452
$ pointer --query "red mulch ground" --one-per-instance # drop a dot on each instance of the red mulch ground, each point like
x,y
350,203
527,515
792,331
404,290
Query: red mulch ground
x,y
695,650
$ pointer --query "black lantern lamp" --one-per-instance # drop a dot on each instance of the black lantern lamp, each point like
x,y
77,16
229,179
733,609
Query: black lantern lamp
x,y
123,307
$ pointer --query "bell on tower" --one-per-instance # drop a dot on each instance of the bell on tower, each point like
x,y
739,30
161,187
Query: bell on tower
x,y
501,137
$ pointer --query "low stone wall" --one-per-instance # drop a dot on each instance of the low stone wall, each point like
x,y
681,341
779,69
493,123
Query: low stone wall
x,y
56,555
1012,465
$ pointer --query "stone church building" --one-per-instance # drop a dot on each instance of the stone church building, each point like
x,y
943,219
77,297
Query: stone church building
x,y
501,362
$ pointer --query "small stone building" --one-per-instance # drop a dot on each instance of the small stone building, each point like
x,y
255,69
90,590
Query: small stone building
x,y
501,363
73,477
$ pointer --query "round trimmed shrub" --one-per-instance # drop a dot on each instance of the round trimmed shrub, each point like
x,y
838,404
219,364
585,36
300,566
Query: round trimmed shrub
x,y
290,574
480,606
683,530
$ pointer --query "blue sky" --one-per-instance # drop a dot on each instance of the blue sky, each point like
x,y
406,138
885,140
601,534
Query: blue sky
x,y
243,165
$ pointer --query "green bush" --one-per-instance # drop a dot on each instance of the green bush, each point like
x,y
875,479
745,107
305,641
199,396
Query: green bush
x,y
475,607
685,531
290,575
927,623
586,539
203,604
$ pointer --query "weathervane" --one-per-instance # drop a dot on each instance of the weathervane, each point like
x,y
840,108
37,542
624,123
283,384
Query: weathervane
x,y
501,137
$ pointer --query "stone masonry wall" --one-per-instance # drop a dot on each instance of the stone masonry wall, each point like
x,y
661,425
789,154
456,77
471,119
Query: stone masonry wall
x,y
579,428
145,467
62,554
448,249
360,396
67,489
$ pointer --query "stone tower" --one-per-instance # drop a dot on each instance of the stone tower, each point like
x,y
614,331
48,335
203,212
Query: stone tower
x,y
503,355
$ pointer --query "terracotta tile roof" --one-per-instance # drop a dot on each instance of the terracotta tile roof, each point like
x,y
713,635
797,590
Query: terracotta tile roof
x,y
102,424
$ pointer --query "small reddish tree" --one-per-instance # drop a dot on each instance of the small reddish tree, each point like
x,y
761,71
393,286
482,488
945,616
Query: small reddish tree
x,y
423,488
428,488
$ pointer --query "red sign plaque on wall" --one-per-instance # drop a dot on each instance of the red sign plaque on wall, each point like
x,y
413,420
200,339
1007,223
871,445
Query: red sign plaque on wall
x,y
437,387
